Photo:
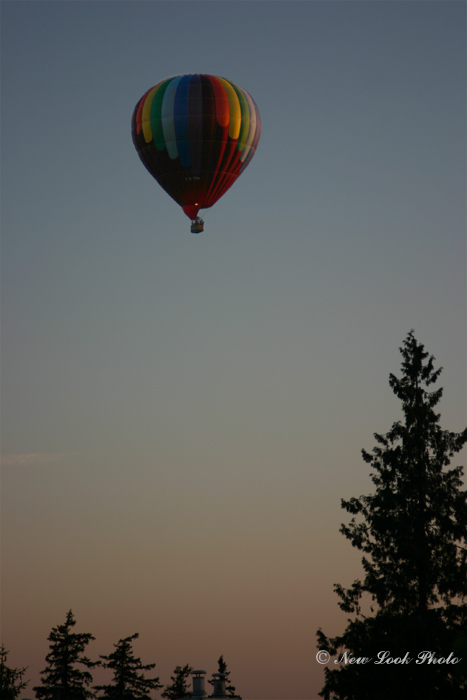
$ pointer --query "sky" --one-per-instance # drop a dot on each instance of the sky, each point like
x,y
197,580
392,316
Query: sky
x,y
181,415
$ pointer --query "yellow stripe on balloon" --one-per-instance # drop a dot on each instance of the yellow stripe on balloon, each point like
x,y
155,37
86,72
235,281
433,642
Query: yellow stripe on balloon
x,y
245,118
252,128
146,115
234,109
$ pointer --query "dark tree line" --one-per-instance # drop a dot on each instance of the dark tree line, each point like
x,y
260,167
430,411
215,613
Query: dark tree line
x,y
68,674
222,669
11,679
413,534
179,687
129,680
68,669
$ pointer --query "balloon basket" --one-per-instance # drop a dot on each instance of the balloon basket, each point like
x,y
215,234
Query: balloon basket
x,y
197,225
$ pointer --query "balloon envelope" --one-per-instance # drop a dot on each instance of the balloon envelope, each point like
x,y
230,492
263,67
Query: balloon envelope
x,y
196,134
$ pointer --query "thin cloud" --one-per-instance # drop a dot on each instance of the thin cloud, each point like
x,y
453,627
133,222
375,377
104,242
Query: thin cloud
x,y
34,459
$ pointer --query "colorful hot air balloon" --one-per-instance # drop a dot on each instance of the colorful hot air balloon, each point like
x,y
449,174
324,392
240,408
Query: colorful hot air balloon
x,y
196,134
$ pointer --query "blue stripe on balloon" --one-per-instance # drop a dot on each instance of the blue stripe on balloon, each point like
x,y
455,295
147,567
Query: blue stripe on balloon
x,y
181,120
195,124
167,118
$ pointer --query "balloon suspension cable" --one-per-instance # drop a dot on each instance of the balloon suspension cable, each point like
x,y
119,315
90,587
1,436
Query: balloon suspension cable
x,y
197,225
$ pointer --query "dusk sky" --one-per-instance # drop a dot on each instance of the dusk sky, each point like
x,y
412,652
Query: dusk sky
x,y
182,414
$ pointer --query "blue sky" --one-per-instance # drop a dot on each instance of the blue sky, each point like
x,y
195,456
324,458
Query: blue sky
x,y
182,414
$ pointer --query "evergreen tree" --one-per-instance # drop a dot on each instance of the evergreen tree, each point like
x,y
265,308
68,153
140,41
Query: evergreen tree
x,y
413,533
11,679
179,687
222,668
63,673
129,681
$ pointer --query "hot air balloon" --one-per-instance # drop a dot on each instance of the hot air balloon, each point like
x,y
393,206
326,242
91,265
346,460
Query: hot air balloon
x,y
196,134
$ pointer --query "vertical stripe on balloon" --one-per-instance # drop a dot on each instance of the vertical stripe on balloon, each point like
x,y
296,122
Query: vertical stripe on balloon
x,y
234,109
156,121
167,116
180,117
